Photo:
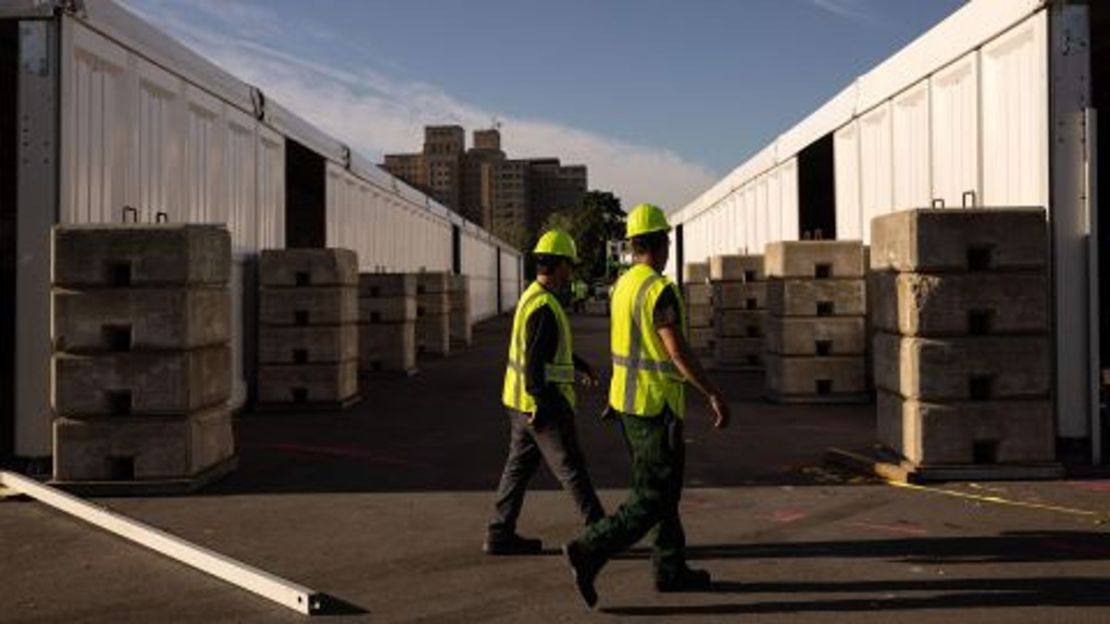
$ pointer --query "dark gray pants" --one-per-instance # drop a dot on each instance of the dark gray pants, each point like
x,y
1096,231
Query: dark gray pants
x,y
557,443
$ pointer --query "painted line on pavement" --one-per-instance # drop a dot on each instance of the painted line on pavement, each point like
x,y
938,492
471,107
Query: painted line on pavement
x,y
997,500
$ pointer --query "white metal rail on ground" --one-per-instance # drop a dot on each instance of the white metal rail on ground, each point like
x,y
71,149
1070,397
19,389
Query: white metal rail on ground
x,y
281,591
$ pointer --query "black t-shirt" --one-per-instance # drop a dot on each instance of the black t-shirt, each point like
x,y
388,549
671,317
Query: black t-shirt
x,y
666,312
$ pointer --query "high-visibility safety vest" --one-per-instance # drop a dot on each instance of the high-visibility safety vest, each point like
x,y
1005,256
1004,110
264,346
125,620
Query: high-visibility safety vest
x,y
559,372
644,377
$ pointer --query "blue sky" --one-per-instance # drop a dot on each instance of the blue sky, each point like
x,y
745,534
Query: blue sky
x,y
659,98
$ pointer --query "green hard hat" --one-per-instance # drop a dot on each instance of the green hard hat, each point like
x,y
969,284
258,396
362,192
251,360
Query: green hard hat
x,y
557,243
645,219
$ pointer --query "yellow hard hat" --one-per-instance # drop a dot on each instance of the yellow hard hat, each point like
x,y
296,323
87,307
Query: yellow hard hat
x,y
557,243
645,219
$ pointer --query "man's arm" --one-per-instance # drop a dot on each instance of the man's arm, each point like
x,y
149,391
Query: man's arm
x,y
667,325
585,370
542,338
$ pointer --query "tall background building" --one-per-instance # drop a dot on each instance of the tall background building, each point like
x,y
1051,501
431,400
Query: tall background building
x,y
510,197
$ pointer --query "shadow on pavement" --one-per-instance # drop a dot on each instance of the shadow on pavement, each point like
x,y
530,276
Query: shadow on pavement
x,y
950,594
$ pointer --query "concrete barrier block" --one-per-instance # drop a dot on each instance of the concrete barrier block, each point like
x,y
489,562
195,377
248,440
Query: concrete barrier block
x,y
978,368
320,344
328,305
141,382
387,348
968,433
960,240
300,268
701,338
387,310
740,295
433,304
796,376
740,323
739,352
916,304
814,297
120,256
815,259
461,328
833,335
736,268
696,273
386,285
126,319
699,315
433,335
697,294
135,449
434,282
294,384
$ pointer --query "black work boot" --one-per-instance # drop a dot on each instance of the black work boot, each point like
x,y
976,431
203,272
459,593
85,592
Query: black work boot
x,y
688,579
584,569
512,545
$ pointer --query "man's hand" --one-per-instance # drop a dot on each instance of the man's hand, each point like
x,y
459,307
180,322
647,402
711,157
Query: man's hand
x,y
539,419
721,411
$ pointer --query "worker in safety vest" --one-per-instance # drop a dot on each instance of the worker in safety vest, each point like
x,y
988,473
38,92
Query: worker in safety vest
x,y
539,394
652,363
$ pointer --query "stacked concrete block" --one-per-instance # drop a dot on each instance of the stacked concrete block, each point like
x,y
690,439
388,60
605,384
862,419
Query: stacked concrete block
x,y
816,324
698,294
387,323
739,310
433,313
963,353
308,334
461,328
141,328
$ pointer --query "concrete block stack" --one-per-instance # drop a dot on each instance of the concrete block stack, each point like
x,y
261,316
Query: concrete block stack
x,y
963,353
433,313
461,327
141,330
387,323
816,335
699,307
308,329
739,310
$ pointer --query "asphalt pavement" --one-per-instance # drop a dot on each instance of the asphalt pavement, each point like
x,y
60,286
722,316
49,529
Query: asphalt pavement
x,y
384,506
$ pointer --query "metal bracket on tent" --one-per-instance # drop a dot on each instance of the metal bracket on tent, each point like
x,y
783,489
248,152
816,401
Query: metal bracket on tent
x,y
974,201
346,152
277,589
938,202
258,101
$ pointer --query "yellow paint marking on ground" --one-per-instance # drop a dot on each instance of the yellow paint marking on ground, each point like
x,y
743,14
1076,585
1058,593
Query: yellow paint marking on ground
x,y
997,500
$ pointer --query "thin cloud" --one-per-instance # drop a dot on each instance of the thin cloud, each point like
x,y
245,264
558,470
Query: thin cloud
x,y
376,113
854,10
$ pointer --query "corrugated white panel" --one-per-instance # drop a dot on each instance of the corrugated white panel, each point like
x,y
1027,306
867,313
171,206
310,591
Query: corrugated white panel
x,y
955,130
510,280
788,178
241,187
912,168
762,216
846,158
157,157
479,264
1015,132
95,139
876,168
774,205
204,147
971,26
271,189
751,226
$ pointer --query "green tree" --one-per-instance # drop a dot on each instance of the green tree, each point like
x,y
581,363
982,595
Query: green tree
x,y
598,220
